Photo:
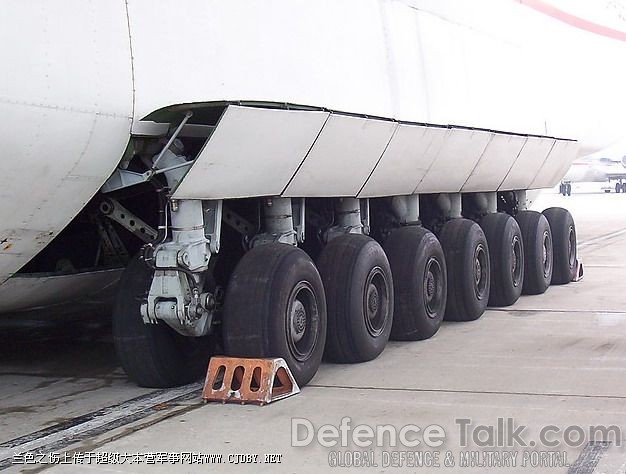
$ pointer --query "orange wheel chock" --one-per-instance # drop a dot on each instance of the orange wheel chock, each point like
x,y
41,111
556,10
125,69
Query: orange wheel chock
x,y
239,380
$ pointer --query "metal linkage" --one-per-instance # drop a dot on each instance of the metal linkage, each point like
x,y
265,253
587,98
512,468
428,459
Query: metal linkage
x,y
155,162
118,213
352,216
122,178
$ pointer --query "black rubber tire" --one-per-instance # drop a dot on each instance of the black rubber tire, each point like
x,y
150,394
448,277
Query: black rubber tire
x,y
506,253
464,246
564,244
357,279
568,189
262,294
618,188
537,266
418,268
153,355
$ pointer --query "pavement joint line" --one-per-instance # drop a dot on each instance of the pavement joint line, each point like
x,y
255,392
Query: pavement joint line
x,y
599,265
601,238
552,310
471,392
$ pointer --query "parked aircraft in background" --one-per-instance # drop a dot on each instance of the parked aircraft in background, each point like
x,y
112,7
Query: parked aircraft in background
x,y
595,170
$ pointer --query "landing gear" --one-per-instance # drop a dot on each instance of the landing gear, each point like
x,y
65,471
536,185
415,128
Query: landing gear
x,y
153,355
468,266
564,240
420,283
565,189
618,188
359,295
537,243
507,258
275,307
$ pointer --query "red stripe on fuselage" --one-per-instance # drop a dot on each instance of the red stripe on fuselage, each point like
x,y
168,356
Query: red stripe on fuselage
x,y
574,20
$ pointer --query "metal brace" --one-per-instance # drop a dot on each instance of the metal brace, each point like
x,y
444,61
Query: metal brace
x,y
112,209
122,178
112,247
212,211
299,212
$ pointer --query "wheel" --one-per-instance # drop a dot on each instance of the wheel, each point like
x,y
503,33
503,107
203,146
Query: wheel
x,y
537,243
153,355
623,187
275,307
359,295
467,259
506,252
568,189
564,243
618,188
419,275
563,189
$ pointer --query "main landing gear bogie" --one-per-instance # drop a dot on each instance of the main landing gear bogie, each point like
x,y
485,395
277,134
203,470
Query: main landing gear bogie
x,y
357,295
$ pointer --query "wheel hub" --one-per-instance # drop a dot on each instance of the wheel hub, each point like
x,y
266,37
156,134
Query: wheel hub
x,y
302,321
571,246
298,320
430,286
376,302
480,271
433,293
546,252
516,261
372,301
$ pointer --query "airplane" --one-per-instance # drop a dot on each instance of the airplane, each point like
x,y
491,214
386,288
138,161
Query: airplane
x,y
595,170
234,165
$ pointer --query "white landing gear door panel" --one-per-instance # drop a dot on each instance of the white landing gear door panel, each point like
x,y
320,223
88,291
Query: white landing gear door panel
x,y
252,152
530,159
495,163
558,161
405,162
455,161
342,158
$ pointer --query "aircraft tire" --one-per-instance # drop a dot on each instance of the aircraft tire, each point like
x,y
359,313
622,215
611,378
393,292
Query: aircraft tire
x,y
564,240
275,307
618,188
418,268
359,296
538,251
506,251
153,355
466,252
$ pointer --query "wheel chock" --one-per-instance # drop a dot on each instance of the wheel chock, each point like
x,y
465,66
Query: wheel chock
x,y
580,272
243,380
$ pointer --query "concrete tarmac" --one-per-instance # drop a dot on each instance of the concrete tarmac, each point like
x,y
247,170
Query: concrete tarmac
x,y
553,364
